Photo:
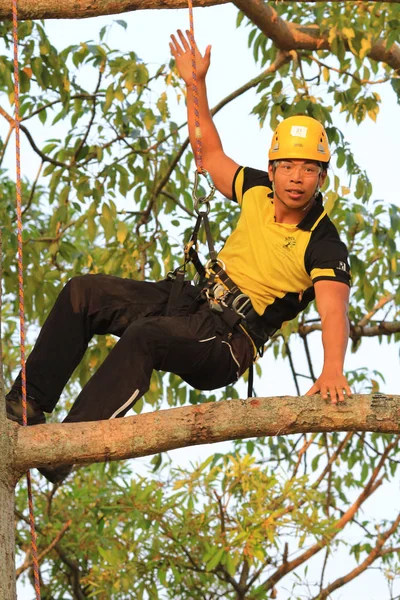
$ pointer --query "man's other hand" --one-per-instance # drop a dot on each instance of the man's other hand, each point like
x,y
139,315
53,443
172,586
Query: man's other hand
x,y
333,385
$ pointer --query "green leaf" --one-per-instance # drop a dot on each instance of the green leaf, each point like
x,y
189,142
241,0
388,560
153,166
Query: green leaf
x,y
215,560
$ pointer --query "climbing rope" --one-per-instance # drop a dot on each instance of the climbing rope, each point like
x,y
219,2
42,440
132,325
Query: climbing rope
x,y
198,153
21,289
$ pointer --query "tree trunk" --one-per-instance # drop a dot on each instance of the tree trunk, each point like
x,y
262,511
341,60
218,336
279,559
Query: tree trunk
x,y
7,539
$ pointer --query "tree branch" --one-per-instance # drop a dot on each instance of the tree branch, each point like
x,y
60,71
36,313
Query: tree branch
x,y
43,156
346,72
151,433
71,564
338,526
58,101
4,148
292,36
384,300
28,564
93,116
372,556
71,9
33,189
384,328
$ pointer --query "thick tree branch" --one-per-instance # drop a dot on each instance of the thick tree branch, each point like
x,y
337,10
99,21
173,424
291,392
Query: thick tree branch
x,y
71,9
151,433
292,36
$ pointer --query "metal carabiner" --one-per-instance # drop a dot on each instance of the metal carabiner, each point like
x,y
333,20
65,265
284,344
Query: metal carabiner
x,y
200,201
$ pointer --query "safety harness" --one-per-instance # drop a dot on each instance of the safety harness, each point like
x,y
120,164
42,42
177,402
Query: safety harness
x,y
224,297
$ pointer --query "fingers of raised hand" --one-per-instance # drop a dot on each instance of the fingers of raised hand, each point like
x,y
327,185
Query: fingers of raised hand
x,y
175,47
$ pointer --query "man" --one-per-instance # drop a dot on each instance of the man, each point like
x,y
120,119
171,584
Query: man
x,y
284,248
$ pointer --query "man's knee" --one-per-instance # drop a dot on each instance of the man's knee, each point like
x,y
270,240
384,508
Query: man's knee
x,y
80,289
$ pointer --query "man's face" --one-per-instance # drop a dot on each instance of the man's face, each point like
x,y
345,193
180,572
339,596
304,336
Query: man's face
x,y
296,181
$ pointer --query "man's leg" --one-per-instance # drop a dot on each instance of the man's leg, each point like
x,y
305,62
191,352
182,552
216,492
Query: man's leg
x,y
88,305
196,346
188,345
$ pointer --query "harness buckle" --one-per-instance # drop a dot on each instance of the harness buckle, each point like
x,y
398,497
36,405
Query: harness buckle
x,y
240,303
214,261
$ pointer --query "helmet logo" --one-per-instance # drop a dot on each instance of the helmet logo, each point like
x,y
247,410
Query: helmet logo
x,y
299,131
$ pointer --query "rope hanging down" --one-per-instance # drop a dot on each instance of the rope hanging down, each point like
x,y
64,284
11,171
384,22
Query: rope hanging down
x,y
223,295
198,157
21,288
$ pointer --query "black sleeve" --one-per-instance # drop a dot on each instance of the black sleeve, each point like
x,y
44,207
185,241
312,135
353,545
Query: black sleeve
x,y
246,178
326,256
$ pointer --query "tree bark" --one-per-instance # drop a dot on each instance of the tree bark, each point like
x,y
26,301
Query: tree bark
x,y
81,9
7,541
292,36
7,484
150,433
358,331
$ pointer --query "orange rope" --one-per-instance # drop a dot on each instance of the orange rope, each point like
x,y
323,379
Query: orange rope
x,y
21,289
198,153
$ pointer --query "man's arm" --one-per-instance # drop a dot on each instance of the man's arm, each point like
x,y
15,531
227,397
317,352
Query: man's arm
x,y
221,168
332,303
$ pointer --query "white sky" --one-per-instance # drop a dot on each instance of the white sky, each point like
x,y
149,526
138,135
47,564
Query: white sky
x,y
375,147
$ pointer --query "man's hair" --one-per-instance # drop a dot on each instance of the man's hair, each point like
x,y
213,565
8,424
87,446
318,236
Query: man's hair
x,y
324,165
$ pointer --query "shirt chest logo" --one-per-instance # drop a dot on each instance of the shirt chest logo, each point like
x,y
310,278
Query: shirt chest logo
x,y
289,243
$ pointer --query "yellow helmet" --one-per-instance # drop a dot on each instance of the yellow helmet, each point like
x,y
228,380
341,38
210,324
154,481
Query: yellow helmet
x,y
300,137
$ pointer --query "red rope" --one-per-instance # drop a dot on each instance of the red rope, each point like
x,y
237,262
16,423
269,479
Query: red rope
x,y
21,288
198,152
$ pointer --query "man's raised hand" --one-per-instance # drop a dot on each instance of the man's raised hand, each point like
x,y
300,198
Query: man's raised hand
x,y
181,52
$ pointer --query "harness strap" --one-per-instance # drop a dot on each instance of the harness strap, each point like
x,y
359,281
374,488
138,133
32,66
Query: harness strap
x,y
210,241
176,289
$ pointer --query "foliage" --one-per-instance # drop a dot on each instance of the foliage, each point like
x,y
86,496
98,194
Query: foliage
x,y
112,195
227,528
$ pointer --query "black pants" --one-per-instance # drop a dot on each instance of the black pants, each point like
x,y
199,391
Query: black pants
x,y
193,342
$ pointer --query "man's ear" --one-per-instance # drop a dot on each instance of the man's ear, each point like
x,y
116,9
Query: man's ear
x,y
323,177
270,171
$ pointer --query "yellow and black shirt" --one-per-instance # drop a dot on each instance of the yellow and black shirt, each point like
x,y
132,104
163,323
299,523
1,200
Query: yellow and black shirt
x,y
277,264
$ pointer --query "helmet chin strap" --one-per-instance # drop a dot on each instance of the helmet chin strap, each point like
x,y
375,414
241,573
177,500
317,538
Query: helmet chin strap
x,y
313,197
